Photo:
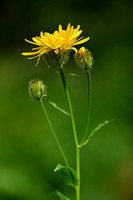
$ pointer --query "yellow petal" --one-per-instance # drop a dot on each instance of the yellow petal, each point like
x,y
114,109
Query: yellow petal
x,y
36,48
37,40
82,41
41,34
60,28
55,33
30,42
74,49
33,57
56,51
68,27
29,53
78,34
78,27
38,59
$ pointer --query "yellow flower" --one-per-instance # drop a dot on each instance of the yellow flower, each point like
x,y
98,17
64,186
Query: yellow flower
x,y
60,41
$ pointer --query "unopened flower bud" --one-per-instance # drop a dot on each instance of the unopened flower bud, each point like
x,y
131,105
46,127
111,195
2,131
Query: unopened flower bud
x,y
37,89
84,58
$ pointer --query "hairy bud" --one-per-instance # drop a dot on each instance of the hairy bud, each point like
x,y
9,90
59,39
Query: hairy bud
x,y
37,89
84,58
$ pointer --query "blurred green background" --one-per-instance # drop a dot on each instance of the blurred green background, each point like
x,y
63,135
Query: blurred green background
x,y
28,152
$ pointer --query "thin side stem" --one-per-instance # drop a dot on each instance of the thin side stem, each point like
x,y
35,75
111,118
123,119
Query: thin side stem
x,y
89,106
74,131
51,128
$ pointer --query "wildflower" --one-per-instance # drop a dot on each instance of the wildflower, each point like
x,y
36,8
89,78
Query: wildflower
x,y
84,58
37,89
57,43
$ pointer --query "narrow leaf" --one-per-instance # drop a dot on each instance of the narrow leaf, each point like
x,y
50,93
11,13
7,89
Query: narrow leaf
x,y
68,175
58,108
98,127
60,195
58,167
71,74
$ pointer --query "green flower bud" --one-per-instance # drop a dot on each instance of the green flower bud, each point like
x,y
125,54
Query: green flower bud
x,y
37,89
84,58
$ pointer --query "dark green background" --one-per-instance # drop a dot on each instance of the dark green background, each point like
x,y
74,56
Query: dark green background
x,y
28,152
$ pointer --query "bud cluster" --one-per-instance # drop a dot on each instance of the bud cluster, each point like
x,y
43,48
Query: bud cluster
x,y
37,89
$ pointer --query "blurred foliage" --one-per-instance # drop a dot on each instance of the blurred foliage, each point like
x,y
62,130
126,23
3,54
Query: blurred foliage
x,y
28,152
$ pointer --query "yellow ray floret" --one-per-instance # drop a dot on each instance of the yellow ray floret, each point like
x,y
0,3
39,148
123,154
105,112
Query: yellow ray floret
x,y
60,40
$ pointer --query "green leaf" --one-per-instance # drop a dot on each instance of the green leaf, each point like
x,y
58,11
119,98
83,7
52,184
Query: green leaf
x,y
98,127
60,195
58,108
71,74
68,175
58,167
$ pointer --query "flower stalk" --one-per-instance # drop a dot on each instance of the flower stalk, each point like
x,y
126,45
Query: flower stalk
x,y
74,131
89,106
52,130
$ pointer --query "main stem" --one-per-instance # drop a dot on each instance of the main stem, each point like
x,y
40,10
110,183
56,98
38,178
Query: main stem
x,y
52,130
89,106
74,132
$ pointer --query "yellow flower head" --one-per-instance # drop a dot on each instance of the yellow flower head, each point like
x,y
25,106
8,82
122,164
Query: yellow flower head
x,y
60,41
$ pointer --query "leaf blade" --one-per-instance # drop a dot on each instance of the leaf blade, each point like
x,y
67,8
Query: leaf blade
x,y
98,127
60,195
68,175
58,108
72,74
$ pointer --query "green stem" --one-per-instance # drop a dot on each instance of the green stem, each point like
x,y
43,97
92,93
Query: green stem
x,y
78,173
74,131
89,107
45,113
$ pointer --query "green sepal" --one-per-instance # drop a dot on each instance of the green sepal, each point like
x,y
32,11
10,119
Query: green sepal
x,y
59,195
68,175
98,127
